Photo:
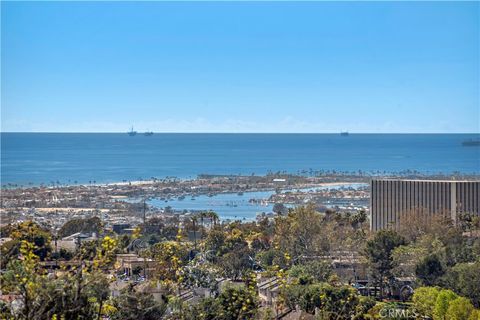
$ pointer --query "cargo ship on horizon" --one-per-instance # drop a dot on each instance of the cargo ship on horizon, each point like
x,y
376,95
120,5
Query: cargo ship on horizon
x,y
471,143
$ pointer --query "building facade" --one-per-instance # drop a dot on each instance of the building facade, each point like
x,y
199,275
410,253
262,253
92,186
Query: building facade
x,y
390,199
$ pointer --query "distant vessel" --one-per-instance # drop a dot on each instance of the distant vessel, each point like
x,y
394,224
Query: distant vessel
x,y
344,133
471,143
148,133
132,133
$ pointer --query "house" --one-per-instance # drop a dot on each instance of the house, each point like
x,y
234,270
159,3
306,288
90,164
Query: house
x,y
119,228
268,290
127,263
73,241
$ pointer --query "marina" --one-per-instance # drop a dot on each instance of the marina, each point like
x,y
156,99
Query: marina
x,y
245,206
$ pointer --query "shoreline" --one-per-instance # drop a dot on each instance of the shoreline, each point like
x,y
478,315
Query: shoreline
x,y
267,189
351,176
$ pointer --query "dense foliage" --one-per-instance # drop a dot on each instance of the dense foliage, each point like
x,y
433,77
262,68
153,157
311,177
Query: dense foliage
x,y
88,225
201,269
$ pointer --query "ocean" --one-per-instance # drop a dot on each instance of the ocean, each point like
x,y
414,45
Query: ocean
x,y
68,158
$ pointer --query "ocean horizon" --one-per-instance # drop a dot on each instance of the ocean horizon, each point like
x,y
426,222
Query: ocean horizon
x,y
475,134
68,158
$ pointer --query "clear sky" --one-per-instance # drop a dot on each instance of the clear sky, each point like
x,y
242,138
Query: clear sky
x,y
240,66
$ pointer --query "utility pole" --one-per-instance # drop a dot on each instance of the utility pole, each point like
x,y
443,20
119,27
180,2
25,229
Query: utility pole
x,y
144,211
144,226
144,266
194,219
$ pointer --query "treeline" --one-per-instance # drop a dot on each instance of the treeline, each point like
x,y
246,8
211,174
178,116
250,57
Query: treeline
x,y
299,251
87,225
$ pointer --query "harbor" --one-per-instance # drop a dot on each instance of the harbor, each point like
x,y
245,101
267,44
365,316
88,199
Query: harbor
x,y
248,206
232,197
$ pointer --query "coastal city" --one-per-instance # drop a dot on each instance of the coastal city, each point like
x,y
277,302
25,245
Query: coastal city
x,y
123,203
145,230
128,203
240,160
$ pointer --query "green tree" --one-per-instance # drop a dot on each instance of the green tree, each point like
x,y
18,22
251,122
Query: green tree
x,y
379,253
21,279
213,216
424,300
459,309
464,278
457,248
358,219
332,302
238,303
8,251
170,256
311,272
429,270
280,208
299,233
81,293
444,298
87,225
215,241
468,222
33,233
236,263
133,305
474,315
267,257
205,309
405,258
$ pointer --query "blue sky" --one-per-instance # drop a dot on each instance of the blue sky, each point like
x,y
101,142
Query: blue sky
x,y
240,66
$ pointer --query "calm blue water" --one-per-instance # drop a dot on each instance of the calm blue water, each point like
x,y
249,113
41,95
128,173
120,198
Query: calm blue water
x,y
45,157
231,205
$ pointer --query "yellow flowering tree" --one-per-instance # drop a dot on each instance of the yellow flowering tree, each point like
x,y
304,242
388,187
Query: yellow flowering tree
x,y
80,291
105,255
238,303
22,279
170,257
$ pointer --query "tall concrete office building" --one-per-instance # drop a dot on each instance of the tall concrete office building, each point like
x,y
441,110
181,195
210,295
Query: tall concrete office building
x,y
390,199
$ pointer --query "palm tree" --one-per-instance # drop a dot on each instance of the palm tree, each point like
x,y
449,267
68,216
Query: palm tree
x,y
194,222
202,216
213,216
